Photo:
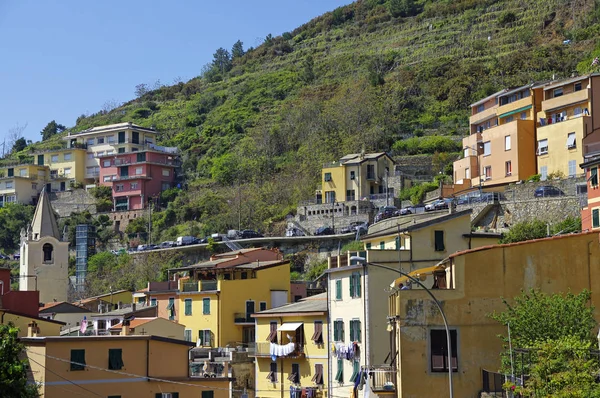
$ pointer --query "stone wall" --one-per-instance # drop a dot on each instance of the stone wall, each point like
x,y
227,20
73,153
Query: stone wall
x,y
121,219
65,203
418,165
524,191
244,373
311,217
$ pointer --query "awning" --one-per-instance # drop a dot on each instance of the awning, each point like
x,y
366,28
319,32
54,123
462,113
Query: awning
x,y
417,274
515,111
289,327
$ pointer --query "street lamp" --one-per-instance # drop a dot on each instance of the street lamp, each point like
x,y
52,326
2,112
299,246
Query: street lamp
x,y
478,167
437,303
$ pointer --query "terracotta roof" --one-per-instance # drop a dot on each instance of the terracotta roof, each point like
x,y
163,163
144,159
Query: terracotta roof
x,y
52,304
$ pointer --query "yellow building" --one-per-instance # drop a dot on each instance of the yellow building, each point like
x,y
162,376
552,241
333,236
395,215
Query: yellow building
x,y
296,334
567,116
21,183
66,167
119,366
217,303
472,284
108,301
356,176
43,327
500,148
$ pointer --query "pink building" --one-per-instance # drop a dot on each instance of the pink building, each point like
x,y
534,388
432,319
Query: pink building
x,y
136,177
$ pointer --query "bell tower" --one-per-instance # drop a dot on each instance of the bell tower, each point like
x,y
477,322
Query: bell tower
x,y
44,256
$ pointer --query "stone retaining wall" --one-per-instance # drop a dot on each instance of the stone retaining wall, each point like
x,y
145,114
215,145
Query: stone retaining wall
x,y
74,201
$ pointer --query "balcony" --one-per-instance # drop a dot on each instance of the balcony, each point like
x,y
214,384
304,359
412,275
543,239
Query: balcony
x,y
504,110
209,286
263,349
243,319
384,380
484,115
371,176
565,100
208,369
60,176
189,287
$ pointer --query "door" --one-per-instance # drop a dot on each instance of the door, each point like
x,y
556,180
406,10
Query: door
x,y
62,186
248,335
249,311
48,187
121,137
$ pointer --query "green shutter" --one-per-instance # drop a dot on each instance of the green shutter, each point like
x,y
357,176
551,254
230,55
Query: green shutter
x,y
115,359
342,337
188,306
368,246
594,176
397,243
338,289
351,330
206,306
77,359
339,376
595,218
381,245
208,394
358,287
439,241
355,370
352,285
358,332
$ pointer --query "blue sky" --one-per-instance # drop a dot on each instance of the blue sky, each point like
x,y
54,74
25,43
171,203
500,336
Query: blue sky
x,y
61,59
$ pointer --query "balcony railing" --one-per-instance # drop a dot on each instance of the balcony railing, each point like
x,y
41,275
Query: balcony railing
x,y
190,287
263,349
208,286
243,318
370,176
209,369
384,379
565,100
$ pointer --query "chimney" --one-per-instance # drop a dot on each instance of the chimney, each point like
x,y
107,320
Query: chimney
x,y
32,329
120,305
125,329
133,307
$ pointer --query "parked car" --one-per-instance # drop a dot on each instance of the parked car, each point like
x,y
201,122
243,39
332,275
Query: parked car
x,y
167,244
141,248
217,237
152,247
203,240
431,206
547,190
385,212
186,240
4,257
249,234
17,256
360,226
234,234
443,203
324,231
294,232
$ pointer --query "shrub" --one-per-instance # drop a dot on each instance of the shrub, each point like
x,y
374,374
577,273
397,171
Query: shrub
x,y
506,18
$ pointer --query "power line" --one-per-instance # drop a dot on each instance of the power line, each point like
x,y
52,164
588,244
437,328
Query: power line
x,y
64,378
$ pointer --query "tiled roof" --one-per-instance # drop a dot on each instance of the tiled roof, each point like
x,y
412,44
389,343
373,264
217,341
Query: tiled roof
x,y
316,303
133,324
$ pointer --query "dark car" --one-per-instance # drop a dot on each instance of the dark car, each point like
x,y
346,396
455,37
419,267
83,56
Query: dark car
x,y
324,231
249,234
386,212
547,190
4,257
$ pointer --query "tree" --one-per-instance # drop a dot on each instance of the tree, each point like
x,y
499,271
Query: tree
x,y
13,369
402,8
237,51
52,129
307,73
222,60
535,317
19,145
13,217
141,89
15,138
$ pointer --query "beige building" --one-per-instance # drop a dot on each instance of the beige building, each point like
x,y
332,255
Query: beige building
x,y
500,148
108,140
568,115
71,314
44,256
66,167
21,183
149,326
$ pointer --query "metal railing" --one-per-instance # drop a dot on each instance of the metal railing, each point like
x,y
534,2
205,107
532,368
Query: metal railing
x,y
263,349
243,318
206,286
492,382
384,378
190,286
208,369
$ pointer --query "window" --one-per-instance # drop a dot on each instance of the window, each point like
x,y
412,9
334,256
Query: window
x,y
577,111
572,168
138,170
370,172
487,172
188,306
171,308
294,376
54,158
595,218
338,289
327,177
355,330
318,376
40,160
542,147
467,173
115,358
100,140
107,178
544,173
273,332
439,241
509,119
165,186
106,163
119,188
134,185
352,175
187,335
571,141
90,155
124,171
330,197
317,336
480,108
111,152
121,137
166,172
77,359
487,148
439,350
368,246
205,337
153,302
9,184
110,139
272,376
339,376
135,137
350,195
355,370
23,172
382,245
523,115
338,330
67,156
577,86
90,141
67,171
140,157
508,168
262,306
507,143
171,394
47,249
355,288
206,306
121,150
557,92
594,176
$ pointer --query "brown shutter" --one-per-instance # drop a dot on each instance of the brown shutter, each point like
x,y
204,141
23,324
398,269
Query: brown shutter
x,y
318,376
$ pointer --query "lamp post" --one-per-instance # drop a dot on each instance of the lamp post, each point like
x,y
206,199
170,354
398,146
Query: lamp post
x,y
478,166
435,300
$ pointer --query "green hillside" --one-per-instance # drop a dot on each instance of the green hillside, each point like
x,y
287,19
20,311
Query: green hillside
x,y
256,129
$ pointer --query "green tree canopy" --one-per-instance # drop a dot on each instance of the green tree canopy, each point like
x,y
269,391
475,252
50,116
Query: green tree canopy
x,y
237,50
51,129
222,60
13,217
19,145
13,369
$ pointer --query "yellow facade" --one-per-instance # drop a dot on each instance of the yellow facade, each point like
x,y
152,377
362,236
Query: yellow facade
x,y
228,321
144,360
478,280
45,327
110,300
313,354
355,177
65,165
21,183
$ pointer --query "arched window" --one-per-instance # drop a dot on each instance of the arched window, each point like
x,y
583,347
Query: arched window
x,y
48,249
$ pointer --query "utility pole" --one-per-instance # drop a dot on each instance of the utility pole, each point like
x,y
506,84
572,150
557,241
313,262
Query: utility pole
x,y
387,196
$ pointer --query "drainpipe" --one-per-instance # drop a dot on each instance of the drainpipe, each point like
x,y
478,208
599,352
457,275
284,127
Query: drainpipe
x,y
218,323
329,359
366,312
281,359
148,360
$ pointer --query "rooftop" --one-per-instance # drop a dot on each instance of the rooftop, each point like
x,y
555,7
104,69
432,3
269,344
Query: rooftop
x,y
110,127
80,339
138,322
359,158
559,83
124,311
316,303
93,298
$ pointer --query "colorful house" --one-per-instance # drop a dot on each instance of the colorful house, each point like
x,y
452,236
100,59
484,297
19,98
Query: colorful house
x,y
66,167
217,302
21,183
120,366
106,302
470,285
152,326
63,311
136,178
292,348
163,295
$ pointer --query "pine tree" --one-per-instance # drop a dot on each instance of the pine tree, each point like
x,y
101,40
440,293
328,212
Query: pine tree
x,y
237,50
